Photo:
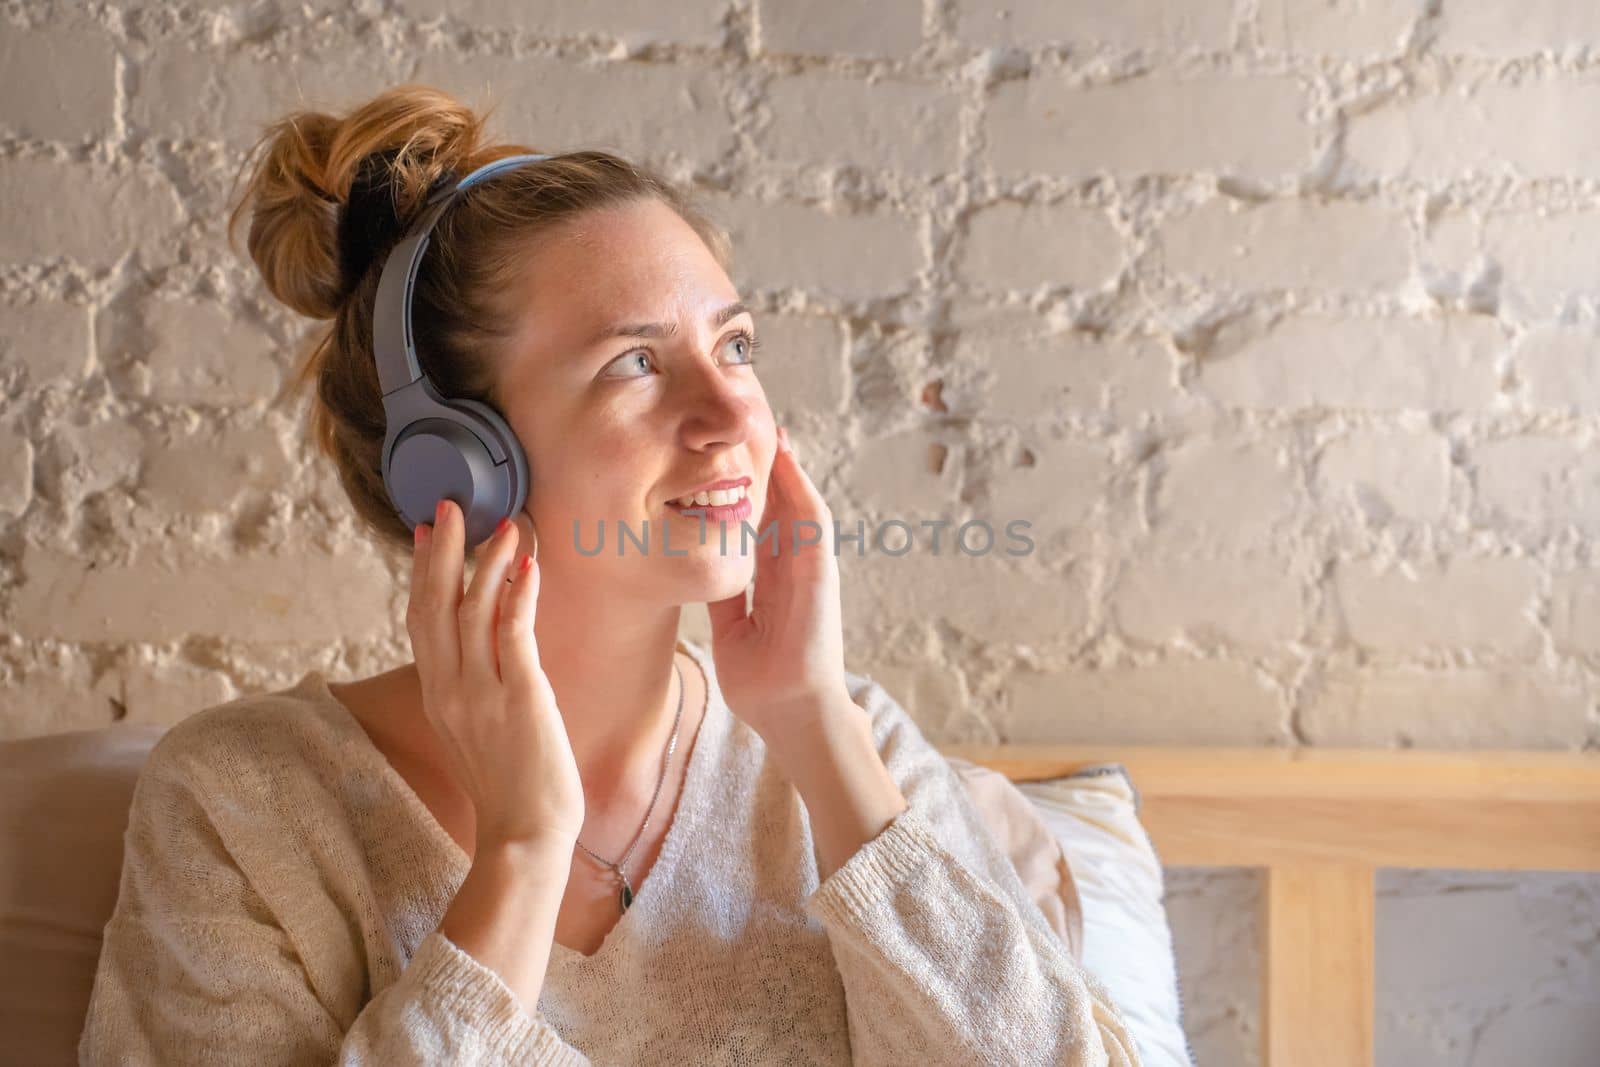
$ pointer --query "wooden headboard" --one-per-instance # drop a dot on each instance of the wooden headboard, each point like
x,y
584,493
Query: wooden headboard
x,y
1321,821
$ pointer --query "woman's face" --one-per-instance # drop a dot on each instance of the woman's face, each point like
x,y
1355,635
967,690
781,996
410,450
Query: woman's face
x,y
616,424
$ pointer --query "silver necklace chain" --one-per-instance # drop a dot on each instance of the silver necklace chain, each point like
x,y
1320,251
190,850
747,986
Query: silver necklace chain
x,y
666,760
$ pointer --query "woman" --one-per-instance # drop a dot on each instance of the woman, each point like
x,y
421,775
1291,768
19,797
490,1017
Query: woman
x,y
561,835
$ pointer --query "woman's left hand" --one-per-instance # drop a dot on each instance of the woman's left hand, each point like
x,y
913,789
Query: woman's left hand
x,y
781,665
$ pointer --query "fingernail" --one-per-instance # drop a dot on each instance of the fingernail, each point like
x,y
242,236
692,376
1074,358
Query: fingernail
x,y
416,534
438,511
501,527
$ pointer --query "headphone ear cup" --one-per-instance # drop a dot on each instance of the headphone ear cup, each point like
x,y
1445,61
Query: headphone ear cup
x,y
434,458
488,422
437,459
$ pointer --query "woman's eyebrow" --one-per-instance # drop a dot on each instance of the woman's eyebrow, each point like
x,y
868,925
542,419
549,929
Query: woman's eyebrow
x,y
666,329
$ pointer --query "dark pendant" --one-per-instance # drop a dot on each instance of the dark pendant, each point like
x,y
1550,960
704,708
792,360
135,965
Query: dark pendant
x,y
627,896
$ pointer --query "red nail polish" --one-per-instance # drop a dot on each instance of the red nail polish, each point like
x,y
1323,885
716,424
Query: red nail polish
x,y
501,526
438,511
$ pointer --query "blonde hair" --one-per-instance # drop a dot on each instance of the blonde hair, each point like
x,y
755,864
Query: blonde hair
x,y
389,153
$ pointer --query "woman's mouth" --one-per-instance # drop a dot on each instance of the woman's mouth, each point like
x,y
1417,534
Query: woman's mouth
x,y
720,505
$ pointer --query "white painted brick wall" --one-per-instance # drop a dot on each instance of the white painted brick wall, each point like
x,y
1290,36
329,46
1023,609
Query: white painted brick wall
x,y
1345,29
1002,250
887,28
1131,24
1277,318
1321,246
819,118
1248,125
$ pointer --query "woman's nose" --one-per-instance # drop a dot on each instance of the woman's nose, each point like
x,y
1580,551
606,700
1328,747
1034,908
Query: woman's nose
x,y
721,405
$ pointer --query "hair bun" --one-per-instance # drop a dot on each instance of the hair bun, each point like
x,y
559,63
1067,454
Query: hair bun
x,y
369,222
368,219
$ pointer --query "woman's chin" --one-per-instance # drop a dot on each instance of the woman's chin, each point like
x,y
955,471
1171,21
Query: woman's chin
x,y
714,576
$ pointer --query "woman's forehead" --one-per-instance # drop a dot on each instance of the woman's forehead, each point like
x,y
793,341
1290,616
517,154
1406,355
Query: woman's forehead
x,y
613,275
622,234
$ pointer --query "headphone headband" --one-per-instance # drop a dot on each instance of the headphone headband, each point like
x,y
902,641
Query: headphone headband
x,y
392,339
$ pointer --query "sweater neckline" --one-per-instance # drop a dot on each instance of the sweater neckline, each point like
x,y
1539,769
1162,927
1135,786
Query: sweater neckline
x,y
657,880
660,875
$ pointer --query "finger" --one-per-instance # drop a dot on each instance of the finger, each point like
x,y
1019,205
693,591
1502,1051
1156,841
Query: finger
x,y
416,605
773,509
806,502
419,553
791,499
807,497
514,637
480,605
445,562
798,505
779,513
729,612
773,506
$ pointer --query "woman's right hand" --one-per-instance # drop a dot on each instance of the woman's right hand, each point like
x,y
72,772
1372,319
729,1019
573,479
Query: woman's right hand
x,y
483,690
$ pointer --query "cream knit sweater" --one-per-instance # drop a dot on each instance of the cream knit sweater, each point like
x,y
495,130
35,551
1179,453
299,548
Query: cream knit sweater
x,y
282,886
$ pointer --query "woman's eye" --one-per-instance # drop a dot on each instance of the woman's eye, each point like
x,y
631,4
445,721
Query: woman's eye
x,y
641,356
623,361
751,343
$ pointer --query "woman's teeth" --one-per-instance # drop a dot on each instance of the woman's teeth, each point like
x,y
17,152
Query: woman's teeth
x,y
716,498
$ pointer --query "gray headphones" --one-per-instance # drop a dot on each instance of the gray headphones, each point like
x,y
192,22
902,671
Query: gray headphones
x,y
438,446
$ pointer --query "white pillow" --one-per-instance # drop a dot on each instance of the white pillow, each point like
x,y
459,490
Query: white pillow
x,y
1127,943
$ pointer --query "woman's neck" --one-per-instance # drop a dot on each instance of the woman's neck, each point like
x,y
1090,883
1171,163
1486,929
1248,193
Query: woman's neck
x,y
618,693
610,664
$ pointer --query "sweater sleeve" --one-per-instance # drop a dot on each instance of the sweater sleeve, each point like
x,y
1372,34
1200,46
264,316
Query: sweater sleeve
x,y
944,957
196,968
